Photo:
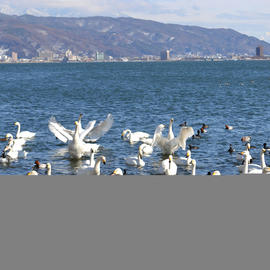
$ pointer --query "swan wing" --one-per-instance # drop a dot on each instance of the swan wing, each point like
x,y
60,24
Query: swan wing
x,y
100,129
59,131
185,133
88,129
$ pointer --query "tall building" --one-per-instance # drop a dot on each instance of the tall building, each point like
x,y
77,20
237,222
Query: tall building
x,y
14,56
100,56
165,55
259,51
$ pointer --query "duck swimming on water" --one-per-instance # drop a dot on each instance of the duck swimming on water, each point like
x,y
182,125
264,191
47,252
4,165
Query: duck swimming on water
x,y
231,149
197,136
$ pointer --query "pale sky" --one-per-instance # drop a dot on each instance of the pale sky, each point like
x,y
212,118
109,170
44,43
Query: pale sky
x,y
251,17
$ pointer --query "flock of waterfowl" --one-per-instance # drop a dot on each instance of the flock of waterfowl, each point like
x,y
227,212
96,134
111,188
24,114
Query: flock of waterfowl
x,y
81,142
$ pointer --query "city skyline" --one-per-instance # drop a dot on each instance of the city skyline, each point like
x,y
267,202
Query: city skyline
x,y
248,18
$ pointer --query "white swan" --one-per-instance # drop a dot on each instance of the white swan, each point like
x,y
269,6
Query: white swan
x,y
254,168
134,137
118,171
147,149
16,144
13,149
240,156
77,147
23,134
93,134
170,146
216,173
185,161
96,169
246,169
33,172
135,160
90,163
168,166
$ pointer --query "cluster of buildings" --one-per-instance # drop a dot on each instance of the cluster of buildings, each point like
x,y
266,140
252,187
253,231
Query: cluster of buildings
x,y
165,55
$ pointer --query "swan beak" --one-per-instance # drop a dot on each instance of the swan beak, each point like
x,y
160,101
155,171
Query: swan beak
x,y
114,172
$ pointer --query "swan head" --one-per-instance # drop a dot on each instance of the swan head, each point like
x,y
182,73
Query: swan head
x,y
170,158
125,132
160,128
117,171
76,123
188,153
248,146
9,136
16,124
171,120
103,159
48,166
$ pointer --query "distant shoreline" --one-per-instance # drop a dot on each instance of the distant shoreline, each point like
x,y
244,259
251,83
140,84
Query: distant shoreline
x,y
140,61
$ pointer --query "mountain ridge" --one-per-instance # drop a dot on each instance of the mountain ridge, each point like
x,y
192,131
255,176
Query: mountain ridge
x,y
118,37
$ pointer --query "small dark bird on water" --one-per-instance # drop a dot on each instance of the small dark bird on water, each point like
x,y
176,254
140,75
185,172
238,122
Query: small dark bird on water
x,y
191,147
203,130
183,124
231,150
246,138
197,136
228,127
205,126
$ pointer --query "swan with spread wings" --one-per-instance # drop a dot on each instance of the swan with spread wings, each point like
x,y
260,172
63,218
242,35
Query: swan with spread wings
x,y
169,146
93,134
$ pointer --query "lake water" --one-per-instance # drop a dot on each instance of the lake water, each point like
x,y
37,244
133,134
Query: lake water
x,y
140,96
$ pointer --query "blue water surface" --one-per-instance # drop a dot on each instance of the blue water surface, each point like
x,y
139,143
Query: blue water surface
x,y
140,96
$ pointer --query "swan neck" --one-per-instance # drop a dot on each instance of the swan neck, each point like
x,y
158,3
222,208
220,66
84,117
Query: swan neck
x,y
170,133
263,160
97,167
76,134
246,165
193,170
49,171
92,160
18,130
